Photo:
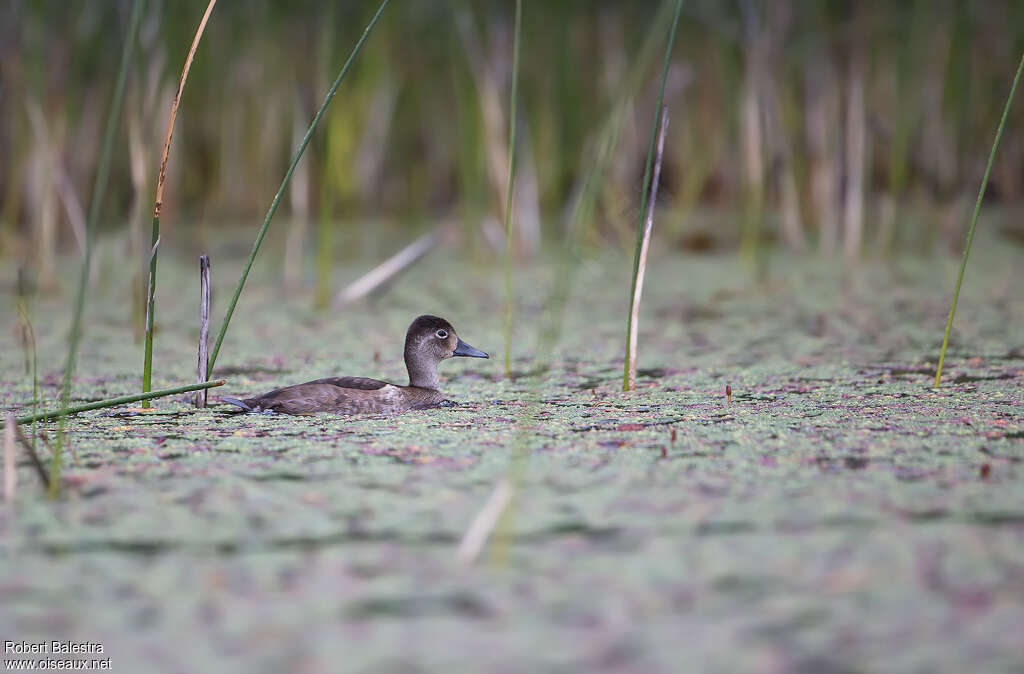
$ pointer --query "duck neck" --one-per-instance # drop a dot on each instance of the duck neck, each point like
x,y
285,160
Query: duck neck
x,y
422,371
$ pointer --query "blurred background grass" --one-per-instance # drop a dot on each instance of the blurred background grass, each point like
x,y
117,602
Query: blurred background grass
x,y
841,128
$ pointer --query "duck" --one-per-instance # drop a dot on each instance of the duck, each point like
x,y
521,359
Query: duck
x,y
429,340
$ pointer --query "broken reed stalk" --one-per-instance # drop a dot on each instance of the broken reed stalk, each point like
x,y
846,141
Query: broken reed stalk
x,y
147,361
10,468
388,270
204,327
645,192
284,185
99,189
974,221
511,186
485,522
645,245
99,404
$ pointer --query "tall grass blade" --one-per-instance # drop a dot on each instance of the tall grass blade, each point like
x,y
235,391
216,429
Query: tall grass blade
x,y
974,221
284,184
647,187
147,363
513,97
99,189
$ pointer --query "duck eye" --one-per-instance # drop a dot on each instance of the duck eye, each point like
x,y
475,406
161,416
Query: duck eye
x,y
442,334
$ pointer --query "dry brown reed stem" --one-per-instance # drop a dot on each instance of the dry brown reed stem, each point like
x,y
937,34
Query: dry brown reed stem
x,y
822,121
162,175
10,469
61,180
387,270
645,246
147,367
204,327
484,522
659,111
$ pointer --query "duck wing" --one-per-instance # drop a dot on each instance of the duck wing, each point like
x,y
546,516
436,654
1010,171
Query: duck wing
x,y
361,383
344,395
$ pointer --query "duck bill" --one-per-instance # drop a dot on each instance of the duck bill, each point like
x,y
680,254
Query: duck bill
x,y
463,349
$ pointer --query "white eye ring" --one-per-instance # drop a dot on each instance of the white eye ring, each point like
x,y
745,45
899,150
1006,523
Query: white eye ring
x,y
441,334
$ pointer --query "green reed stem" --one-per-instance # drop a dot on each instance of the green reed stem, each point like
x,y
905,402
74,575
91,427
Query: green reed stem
x,y
147,356
974,221
99,189
647,187
511,185
286,181
112,402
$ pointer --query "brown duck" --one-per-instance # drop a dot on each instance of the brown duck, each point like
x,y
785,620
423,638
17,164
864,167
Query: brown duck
x,y
429,341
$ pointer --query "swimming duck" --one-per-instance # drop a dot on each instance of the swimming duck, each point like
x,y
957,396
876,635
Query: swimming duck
x,y
429,341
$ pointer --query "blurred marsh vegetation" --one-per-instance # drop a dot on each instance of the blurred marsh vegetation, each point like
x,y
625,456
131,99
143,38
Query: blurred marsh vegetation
x,y
851,129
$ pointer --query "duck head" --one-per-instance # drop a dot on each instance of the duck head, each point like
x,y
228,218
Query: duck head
x,y
430,340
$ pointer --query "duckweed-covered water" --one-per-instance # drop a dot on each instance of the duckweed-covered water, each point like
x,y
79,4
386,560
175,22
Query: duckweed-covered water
x,y
837,515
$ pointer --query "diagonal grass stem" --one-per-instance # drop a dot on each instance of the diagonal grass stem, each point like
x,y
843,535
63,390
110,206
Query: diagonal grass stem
x,y
974,221
284,185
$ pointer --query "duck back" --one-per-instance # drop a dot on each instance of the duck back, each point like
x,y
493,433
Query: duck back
x,y
344,395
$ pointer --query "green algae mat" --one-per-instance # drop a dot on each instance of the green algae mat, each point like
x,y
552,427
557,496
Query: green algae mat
x,y
837,514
